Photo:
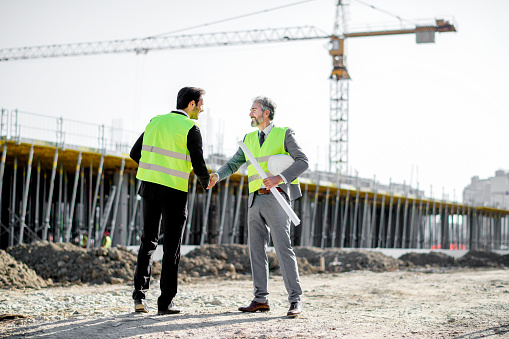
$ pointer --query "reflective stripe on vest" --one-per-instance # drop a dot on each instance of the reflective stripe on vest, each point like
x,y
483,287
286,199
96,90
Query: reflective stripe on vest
x,y
165,159
273,144
167,153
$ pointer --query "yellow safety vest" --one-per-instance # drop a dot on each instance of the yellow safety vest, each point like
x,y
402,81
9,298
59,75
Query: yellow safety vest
x,y
106,242
273,144
165,159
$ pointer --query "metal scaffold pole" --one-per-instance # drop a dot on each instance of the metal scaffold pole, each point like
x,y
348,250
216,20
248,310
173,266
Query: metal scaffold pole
x,y
223,213
117,200
345,219
70,217
372,232
324,224
337,207
396,227
13,202
105,216
204,232
313,216
37,190
381,235
50,196
237,211
93,201
389,218
353,229
2,172
25,195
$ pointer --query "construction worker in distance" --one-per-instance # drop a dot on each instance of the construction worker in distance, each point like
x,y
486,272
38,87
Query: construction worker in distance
x,y
84,240
106,240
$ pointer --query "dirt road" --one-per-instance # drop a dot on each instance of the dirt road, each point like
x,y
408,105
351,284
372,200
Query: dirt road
x,y
360,304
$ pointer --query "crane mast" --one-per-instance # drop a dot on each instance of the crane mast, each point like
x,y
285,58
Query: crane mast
x,y
339,80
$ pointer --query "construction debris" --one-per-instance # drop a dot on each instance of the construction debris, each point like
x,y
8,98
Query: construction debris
x,y
43,264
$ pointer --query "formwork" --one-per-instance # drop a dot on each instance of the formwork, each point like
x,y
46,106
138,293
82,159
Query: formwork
x,y
57,190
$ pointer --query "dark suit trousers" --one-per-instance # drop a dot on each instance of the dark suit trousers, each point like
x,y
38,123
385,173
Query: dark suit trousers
x,y
165,208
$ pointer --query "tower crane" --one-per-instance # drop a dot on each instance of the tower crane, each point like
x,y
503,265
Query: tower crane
x,y
339,78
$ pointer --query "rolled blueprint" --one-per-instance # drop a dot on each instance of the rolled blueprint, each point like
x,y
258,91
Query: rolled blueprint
x,y
295,219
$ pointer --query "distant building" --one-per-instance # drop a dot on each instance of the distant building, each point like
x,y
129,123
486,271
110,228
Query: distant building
x,y
493,191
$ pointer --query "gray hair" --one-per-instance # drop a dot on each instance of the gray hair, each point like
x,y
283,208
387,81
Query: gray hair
x,y
266,104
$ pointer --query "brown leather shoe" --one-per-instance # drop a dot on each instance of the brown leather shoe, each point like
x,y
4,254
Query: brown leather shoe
x,y
295,309
256,306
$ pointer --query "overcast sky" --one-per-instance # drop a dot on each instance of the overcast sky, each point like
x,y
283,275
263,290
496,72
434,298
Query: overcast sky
x,y
428,114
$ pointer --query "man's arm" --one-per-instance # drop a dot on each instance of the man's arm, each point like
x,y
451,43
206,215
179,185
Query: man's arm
x,y
232,166
136,150
195,147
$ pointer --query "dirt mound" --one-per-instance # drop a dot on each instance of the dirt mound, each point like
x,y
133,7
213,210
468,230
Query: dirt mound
x,y
343,261
429,259
474,258
482,259
230,261
16,274
65,262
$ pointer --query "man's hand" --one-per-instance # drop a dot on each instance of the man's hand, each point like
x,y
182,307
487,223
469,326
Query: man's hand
x,y
272,181
213,179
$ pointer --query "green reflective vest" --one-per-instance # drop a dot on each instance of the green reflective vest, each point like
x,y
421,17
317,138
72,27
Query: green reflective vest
x,y
165,159
273,144
106,242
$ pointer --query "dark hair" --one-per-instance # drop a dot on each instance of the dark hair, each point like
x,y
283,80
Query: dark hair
x,y
188,94
266,104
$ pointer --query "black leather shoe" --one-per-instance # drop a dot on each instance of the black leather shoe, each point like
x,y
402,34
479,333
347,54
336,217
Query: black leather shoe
x,y
256,306
140,306
171,309
295,309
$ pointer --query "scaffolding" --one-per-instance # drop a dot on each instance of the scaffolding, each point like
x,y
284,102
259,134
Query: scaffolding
x,y
61,180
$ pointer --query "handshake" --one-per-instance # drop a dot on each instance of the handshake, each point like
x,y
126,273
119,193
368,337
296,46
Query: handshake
x,y
269,182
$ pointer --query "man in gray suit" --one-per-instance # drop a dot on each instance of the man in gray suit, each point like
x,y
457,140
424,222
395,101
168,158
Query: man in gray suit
x,y
264,212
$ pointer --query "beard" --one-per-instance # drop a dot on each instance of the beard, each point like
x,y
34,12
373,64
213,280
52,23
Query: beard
x,y
194,114
255,122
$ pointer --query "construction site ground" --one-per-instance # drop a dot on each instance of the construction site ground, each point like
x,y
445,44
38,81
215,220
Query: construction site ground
x,y
63,291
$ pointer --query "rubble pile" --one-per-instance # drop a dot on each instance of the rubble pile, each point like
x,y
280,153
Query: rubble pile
x,y
474,258
68,263
14,273
230,261
483,259
41,264
436,259
345,261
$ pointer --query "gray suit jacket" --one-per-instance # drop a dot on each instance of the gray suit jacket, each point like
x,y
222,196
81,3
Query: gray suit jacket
x,y
291,173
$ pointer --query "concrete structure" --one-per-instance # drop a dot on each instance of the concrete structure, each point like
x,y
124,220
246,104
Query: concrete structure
x,y
54,190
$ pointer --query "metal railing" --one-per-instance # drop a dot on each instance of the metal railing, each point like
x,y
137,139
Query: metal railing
x,y
65,133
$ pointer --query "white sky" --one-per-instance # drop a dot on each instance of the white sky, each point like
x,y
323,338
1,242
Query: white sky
x,y
432,113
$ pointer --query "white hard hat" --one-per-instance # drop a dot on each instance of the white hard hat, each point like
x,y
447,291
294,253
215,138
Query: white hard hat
x,y
278,163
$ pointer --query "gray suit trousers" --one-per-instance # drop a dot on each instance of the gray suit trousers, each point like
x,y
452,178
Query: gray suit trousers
x,y
265,214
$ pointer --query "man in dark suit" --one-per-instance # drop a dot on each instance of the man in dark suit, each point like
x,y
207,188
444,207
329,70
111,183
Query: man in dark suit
x,y
166,152
265,214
